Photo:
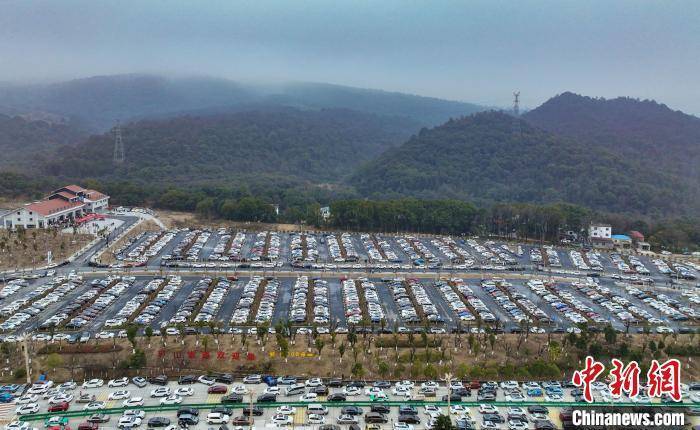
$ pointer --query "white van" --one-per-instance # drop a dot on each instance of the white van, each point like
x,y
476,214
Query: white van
x,y
316,408
295,389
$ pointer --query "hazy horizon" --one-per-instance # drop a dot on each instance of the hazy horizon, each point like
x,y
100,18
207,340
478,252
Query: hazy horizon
x,y
476,52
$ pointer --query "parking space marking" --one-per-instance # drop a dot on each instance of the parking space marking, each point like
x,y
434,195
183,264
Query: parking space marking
x,y
300,416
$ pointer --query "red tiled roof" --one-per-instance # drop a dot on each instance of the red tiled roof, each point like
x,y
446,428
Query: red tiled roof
x,y
63,194
74,188
95,195
50,207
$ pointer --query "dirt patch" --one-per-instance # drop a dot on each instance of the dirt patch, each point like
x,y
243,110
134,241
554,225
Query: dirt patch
x,y
92,348
28,248
173,219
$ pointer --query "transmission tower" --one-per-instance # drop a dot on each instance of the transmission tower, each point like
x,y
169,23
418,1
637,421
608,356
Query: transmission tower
x,y
516,113
118,145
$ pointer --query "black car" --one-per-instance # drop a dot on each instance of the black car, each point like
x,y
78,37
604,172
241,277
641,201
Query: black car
x,y
462,391
98,418
336,397
375,418
358,384
187,420
335,382
321,390
407,410
232,398
382,384
351,410
494,418
536,409
382,409
224,378
222,410
187,379
463,424
409,419
328,427
453,398
544,425
158,380
267,398
159,422
257,411
241,420
187,411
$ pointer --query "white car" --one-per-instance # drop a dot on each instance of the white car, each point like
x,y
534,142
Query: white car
x,y
458,410
313,382
282,420
352,391
517,425
487,409
206,380
161,392
67,386
347,419
27,409
241,389
121,382
432,411
184,391
119,395
286,410
129,421
60,398
316,419
93,383
134,401
403,426
94,406
18,425
217,418
172,399
26,399
308,397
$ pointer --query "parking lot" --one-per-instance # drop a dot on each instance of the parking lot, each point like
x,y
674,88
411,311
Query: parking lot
x,y
286,401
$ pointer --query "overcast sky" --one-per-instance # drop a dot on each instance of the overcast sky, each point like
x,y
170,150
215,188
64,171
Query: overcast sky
x,y
477,51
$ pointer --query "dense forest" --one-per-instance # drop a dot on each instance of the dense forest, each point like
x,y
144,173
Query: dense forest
x,y
27,142
657,138
281,146
492,157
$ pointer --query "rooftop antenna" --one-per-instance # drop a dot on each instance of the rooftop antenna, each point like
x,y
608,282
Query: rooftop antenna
x,y
118,145
516,113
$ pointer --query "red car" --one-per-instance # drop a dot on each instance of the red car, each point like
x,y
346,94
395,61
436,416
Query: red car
x,y
475,385
217,389
88,426
59,407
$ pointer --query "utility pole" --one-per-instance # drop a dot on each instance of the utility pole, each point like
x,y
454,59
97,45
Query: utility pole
x,y
118,145
27,368
516,114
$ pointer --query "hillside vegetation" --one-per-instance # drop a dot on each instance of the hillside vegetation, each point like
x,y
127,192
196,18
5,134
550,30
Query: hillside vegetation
x,y
482,158
281,145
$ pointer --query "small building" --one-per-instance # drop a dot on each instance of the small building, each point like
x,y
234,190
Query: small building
x,y
601,242
61,207
325,212
643,246
599,231
636,236
622,241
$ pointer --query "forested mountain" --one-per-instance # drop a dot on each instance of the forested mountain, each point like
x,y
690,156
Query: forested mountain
x,y
656,137
98,102
483,158
25,142
281,146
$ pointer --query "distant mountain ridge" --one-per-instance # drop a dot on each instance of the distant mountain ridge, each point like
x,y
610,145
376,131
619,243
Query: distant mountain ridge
x,y
98,102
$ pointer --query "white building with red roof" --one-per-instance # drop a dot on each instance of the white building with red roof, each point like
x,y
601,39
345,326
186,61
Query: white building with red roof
x,y
61,207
